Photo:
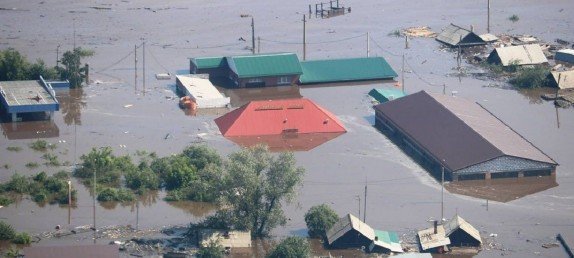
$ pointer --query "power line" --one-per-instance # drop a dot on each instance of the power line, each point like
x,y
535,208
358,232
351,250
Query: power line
x,y
208,47
312,43
156,60
115,63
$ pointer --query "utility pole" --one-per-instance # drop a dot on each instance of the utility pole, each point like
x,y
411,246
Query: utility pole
x,y
368,45
253,35
136,68
365,207
143,69
443,88
488,18
69,202
358,197
442,196
403,74
94,215
74,36
406,42
58,56
304,38
137,215
258,45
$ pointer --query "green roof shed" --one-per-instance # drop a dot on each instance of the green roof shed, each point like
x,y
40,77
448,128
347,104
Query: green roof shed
x,y
383,95
347,69
209,62
265,65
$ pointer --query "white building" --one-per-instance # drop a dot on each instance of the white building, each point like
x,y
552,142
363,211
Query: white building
x,y
201,90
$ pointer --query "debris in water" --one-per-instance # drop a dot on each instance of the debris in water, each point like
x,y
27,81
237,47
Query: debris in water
x,y
128,106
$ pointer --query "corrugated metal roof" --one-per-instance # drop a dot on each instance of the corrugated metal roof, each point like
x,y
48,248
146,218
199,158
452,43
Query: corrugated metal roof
x,y
383,95
282,142
454,35
387,239
202,91
488,37
265,65
428,239
504,164
346,224
521,55
73,251
270,117
566,79
565,55
457,222
346,69
209,62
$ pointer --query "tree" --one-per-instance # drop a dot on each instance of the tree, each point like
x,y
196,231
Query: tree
x,y
13,66
201,155
73,70
320,219
254,185
7,232
291,247
175,171
212,250
39,68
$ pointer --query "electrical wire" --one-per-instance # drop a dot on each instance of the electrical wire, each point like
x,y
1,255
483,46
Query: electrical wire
x,y
312,43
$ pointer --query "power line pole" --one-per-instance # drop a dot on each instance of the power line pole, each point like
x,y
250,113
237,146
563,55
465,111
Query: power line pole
x,y
94,215
403,74
442,196
365,207
143,64
488,18
368,45
58,56
136,68
253,35
69,201
304,38
258,45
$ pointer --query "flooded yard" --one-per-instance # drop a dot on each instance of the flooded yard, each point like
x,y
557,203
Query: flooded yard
x,y
401,196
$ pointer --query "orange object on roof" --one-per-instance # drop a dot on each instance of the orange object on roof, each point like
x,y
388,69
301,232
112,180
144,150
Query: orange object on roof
x,y
272,117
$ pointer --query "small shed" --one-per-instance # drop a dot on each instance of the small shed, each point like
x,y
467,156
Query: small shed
x,y
385,242
346,70
384,94
461,233
350,232
456,36
201,90
565,55
433,239
264,69
566,79
518,55
227,239
214,66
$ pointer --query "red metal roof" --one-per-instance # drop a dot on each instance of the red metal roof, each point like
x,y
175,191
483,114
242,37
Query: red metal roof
x,y
272,117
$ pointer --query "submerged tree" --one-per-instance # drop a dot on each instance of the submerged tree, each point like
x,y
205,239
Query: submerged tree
x,y
73,70
254,186
320,219
291,247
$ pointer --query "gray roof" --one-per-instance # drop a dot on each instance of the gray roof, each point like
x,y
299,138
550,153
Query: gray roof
x,y
454,35
565,55
459,223
566,79
428,239
446,126
521,55
346,224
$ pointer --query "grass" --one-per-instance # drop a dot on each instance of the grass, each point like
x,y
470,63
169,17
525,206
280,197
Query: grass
x,y
13,148
41,145
32,165
514,18
51,160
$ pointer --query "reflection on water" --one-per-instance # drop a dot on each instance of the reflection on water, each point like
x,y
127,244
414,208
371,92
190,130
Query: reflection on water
x,y
502,189
197,209
30,130
286,142
240,97
533,95
72,102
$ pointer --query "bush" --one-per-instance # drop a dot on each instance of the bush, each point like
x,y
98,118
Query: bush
x,y
514,18
22,239
18,184
291,247
200,156
51,160
174,171
108,168
142,180
13,148
529,78
41,145
6,231
212,250
117,195
5,201
319,220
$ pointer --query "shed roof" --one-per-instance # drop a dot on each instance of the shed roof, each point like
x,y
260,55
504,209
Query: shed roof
x,y
387,239
459,223
445,126
454,35
386,94
263,65
522,55
226,238
209,62
346,224
268,117
346,69
72,251
428,239
566,79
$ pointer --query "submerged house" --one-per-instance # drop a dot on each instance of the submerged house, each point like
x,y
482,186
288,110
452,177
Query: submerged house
x,y
455,36
213,66
346,70
518,55
454,233
565,55
437,130
351,232
384,94
31,96
562,80
226,238
201,91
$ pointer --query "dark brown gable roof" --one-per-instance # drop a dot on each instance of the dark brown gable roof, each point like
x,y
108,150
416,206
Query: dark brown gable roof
x,y
437,130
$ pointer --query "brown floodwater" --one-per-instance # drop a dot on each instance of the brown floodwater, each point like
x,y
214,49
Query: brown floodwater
x,y
113,111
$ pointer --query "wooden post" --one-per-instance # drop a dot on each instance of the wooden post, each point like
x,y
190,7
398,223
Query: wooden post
x,y
58,56
143,65
403,74
368,46
253,35
310,12
444,89
135,68
488,18
406,42
442,195
87,73
304,39
69,202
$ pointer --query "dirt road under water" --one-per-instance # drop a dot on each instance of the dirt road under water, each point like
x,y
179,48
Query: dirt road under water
x,y
401,196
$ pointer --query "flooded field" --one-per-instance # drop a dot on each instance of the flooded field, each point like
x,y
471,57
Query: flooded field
x,y
401,196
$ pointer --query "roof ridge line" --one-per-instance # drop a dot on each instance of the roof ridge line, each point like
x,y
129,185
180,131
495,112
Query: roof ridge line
x,y
516,133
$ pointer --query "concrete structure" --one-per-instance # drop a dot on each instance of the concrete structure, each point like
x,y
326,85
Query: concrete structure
x,y
518,55
346,70
459,136
73,251
201,91
28,97
226,238
384,94
455,36
566,79
565,55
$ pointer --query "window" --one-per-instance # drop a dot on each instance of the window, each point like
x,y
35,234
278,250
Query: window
x,y
284,80
254,80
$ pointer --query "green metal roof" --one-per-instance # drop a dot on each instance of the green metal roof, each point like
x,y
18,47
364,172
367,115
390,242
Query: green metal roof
x,y
387,236
209,62
349,69
383,95
265,65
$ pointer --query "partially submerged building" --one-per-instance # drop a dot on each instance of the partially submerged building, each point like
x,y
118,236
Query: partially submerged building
x,y
351,232
437,130
454,233
346,70
562,80
214,66
455,36
565,55
226,238
201,91
28,97
385,94
518,55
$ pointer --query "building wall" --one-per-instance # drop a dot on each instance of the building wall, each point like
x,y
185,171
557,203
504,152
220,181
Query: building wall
x,y
352,239
263,81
